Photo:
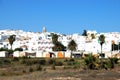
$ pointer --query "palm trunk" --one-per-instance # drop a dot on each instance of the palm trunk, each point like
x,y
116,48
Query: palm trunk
x,y
71,55
101,49
11,47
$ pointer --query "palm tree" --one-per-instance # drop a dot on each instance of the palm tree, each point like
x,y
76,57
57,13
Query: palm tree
x,y
84,33
58,46
11,40
54,38
102,41
72,46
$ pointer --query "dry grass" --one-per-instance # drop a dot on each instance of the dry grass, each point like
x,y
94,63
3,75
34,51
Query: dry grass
x,y
18,71
67,75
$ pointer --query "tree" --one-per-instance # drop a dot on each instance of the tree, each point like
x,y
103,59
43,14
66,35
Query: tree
x,y
72,46
18,49
58,46
102,41
54,38
11,40
93,36
84,33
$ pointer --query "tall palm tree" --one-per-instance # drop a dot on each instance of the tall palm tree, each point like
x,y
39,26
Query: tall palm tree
x,y
54,38
58,46
84,33
11,40
102,41
72,46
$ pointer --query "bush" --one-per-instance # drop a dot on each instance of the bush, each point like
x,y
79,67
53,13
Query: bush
x,y
18,49
15,59
114,60
70,63
53,67
31,69
110,65
29,62
10,51
51,61
103,64
58,63
6,61
3,49
42,62
91,61
38,67
71,60
24,71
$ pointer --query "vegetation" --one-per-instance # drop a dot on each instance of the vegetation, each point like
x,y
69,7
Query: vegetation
x,y
84,33
11,40
93,36
20,66
72,46
91,62
101,41
58,46
3,49
95,63
54,38
18,49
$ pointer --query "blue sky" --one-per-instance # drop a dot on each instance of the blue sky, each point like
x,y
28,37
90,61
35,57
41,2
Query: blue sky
x,y
64,16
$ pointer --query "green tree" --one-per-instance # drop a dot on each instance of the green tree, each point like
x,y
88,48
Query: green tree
x,y
72,46
54,38
93,36
18,49
102,41
11,40
84,33
58,46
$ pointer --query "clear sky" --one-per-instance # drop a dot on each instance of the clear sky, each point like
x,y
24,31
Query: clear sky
x,y
64,16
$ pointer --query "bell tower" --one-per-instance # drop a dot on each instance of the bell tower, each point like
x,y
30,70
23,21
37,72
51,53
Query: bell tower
x,y
44,30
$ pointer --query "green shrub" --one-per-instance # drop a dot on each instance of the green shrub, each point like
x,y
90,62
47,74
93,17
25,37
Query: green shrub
x,y
67,67
10,51
51,61
18,49
71,60
91,62
114,60
103,64
3,74
1,62
110,65
70,63
42,62
53,67
31,69
3,49
15,59
38,67
58,63
24,71
25,57
6,61
111,62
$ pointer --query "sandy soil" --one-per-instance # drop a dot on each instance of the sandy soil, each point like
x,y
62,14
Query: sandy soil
x,y
67,75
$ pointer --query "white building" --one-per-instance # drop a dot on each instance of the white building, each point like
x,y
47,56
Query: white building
x,y
40,42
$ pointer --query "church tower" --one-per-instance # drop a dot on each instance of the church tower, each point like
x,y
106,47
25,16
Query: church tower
x,y
44,30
